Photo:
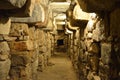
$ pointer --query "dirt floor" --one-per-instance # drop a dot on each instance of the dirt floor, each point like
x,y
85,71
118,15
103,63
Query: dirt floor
x,y
60,70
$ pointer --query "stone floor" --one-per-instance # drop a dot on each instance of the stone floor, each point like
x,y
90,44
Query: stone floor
x,y
60,70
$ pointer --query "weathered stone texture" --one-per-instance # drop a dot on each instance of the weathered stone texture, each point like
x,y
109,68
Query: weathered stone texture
x,y
22,59
30,43
106,53
4,69
18,30
21,73
21,45
99,32
17,8
38,15
12,4
5,24
4,46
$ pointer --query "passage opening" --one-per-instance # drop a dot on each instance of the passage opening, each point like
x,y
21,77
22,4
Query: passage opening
x,y
60,42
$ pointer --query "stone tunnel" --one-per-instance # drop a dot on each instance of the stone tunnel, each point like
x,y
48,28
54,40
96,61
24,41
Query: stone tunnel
x,y
34,32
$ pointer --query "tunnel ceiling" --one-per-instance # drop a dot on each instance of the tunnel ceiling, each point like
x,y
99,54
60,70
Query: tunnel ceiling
x,y
59,8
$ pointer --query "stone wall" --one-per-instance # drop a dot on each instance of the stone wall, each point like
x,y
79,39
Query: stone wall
x,y
96,56
24,50
5,61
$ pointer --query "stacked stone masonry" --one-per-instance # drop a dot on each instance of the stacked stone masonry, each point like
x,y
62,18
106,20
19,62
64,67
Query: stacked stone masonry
x,y
98,47
24,48
93,45
5,61
27,52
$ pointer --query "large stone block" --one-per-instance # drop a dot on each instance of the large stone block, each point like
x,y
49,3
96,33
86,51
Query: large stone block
x,y
32,33
4,56
43,49
79,14
99,32
92,76
11,4
106,49
25,57
94,49
4,69
21,45
4,46
19,29
17,8
8,38
4,51
21,60
38,15
5,24
21,73
104,72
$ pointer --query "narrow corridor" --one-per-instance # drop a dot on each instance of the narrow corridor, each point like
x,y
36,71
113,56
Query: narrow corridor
x,y
34,32
61,69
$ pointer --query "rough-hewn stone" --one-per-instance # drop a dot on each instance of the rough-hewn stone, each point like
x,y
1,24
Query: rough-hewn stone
x,y
15,8
8,38
4,46
103,72
21,45
5,24
106,52
19,29
12,4
4,69
98,32
21,72
38,15
20,60
79,14
3,57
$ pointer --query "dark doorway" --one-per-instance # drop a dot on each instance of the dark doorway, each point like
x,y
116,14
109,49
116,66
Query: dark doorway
x,y
60,42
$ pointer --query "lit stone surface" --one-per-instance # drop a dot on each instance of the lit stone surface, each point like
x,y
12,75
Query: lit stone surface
x,y
21,45
19,29
3,57
38,15
5,24
79,14
4,46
